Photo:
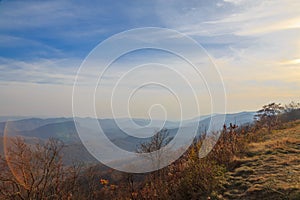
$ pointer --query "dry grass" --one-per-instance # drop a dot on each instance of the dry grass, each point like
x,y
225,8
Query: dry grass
x,y
270,169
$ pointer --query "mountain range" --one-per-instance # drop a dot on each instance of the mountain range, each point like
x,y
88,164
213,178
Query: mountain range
x,y
120,132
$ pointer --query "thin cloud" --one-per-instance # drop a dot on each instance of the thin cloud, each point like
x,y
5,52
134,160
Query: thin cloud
x,y
56,71
43,43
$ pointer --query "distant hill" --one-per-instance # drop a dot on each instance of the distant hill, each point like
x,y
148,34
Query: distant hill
x,y
77,153
64,128
234,118
128,138
65,131
12,118
29,124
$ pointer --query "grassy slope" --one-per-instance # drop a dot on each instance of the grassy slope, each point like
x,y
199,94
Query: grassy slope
x,y
271,169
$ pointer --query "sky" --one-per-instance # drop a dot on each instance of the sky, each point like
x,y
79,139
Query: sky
x,y
255,45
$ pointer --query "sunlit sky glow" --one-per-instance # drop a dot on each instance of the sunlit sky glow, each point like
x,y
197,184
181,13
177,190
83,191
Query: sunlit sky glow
x,y
255,44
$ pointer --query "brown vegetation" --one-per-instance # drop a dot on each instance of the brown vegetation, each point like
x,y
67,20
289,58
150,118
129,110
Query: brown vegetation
x,y
259,161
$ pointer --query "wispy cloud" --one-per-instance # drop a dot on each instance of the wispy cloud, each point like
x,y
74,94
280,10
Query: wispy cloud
x,y
264,17
238,17
255,43
43,71
71,28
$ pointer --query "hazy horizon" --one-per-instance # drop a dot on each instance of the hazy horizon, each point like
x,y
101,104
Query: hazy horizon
x,y
59,116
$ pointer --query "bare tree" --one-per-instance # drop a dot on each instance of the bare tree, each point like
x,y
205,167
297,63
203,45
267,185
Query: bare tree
x,y
35,171
291,112
154,148
155,151
269,115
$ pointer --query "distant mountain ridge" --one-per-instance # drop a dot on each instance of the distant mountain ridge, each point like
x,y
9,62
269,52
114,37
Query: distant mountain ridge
x,y
30,123
64,129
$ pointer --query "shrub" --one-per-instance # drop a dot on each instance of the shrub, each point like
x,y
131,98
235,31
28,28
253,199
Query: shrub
x,y
200,179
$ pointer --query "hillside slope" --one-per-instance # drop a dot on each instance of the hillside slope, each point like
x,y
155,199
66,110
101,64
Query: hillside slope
x,y
271,168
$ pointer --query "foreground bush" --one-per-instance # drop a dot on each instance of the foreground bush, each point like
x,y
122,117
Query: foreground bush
x,y
35,172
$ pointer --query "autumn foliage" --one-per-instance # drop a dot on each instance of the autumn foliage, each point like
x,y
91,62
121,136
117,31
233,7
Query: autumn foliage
x,y
37,171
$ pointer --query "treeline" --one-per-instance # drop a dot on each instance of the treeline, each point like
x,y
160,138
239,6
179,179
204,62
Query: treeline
x,y
37,171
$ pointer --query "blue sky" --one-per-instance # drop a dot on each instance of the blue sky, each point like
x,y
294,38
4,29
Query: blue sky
x,y
255,44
